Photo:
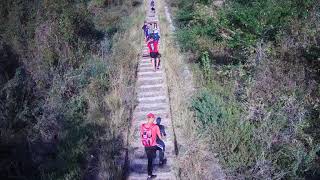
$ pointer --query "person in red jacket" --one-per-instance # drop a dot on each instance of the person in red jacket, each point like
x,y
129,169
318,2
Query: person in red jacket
x,y
154,52
149,132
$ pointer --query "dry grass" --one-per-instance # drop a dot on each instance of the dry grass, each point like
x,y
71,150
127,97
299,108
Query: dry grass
x,y
118,101
66,110
195,160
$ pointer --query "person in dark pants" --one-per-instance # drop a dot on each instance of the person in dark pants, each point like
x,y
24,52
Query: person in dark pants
x,y
151,154
154,52
160,144
153,9
149,132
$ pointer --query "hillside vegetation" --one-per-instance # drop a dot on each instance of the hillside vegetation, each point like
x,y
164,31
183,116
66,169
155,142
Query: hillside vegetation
x,y
257,67
67,70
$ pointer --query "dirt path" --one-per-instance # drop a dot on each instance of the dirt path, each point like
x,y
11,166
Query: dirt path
x,y
152,92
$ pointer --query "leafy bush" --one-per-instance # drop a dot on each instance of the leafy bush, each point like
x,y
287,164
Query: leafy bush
x,y
207,108
206,66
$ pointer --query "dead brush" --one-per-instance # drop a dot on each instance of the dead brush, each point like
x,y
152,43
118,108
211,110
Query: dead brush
x,y
118,100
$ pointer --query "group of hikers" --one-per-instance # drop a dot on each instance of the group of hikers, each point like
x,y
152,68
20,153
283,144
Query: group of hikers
x,y
152,133
152,38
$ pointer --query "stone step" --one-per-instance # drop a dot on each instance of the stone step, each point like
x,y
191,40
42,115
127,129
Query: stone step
x,y
156,108
153,101
147,65
150,78
155,98
142,105
151,75
145,56
145,60
147,92
157,113
142,114
151,90
160,176
146,69
150,82
151,94
139,165
151,71
153,104
151,86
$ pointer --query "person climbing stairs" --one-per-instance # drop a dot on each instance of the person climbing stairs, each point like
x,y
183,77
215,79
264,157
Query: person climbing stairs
x,y
152,93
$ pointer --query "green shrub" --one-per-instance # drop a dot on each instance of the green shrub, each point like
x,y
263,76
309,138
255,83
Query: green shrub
x,y
207,109
187,38
231,136
206,66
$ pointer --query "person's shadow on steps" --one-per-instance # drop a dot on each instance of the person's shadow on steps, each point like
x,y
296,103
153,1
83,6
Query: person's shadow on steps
x,y
160,144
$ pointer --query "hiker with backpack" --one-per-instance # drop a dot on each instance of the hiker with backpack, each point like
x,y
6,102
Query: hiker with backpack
x,y
156,34
149,132
146,30
156,38
160,144
154,52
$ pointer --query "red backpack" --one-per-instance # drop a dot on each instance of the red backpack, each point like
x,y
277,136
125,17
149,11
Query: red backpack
x,y
146,136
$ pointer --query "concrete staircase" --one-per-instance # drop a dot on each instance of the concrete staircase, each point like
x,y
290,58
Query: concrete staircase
x,y
152,92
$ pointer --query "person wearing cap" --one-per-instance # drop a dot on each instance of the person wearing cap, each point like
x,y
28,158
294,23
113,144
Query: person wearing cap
x,y
151,150
154,52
